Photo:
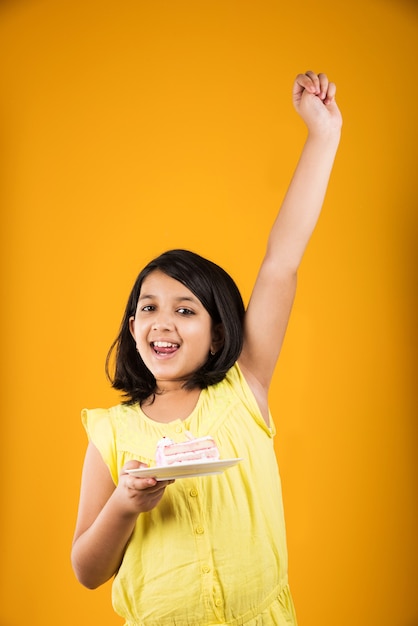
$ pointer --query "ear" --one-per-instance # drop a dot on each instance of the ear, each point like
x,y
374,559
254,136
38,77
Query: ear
x,y
218,338
132,326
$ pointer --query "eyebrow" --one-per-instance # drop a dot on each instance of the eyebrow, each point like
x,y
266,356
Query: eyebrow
x,y
150,296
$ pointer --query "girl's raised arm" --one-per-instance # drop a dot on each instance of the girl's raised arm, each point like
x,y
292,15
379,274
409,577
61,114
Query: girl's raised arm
x,y
272,298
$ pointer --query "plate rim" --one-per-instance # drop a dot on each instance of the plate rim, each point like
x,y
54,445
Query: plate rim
x,y
213,467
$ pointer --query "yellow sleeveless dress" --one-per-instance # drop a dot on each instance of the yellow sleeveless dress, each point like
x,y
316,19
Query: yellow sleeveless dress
x,y
214,549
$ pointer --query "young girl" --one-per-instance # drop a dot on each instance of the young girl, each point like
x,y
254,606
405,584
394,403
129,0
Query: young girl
x,y
207,550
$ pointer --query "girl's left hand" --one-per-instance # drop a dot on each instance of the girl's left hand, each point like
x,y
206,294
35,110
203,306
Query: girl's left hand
x,y
314,100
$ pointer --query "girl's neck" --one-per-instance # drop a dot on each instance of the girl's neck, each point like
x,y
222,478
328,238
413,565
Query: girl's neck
x,y
170,404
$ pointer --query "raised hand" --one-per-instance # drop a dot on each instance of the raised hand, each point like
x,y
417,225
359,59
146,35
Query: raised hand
x,y
314,100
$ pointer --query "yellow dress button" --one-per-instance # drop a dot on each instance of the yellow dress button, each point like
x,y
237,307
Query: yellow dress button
x,y
218,602
200,530
179,429
206,569
193,493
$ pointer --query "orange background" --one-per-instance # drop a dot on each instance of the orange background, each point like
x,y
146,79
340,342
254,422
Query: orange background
x,y
131,127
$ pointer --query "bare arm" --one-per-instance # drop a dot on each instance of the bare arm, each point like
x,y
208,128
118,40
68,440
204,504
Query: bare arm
x,y
272,298
107,517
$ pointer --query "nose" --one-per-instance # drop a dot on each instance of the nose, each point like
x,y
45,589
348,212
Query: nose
x,y
163,321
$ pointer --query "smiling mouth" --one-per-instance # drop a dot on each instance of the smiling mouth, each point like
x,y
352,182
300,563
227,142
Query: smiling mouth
x,y
164,347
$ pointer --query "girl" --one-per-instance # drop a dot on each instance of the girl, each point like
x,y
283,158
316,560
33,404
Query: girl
x,y
208,550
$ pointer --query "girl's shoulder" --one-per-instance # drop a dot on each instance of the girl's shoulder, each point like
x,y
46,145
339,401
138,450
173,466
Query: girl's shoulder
x,y
234,390
112,431
236,383
108,419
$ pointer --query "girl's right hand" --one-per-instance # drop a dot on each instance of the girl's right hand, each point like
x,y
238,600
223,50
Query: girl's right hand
x,y
107,516
139,494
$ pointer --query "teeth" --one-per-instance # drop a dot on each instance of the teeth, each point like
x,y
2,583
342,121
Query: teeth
x,y
164,344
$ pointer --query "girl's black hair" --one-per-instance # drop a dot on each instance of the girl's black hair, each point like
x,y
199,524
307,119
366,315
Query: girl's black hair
x,y
220,296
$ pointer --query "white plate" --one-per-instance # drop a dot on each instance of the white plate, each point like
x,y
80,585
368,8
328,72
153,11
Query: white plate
x,y
184,470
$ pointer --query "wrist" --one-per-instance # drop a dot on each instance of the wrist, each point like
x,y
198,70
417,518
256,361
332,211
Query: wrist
x,y
324,138
125,508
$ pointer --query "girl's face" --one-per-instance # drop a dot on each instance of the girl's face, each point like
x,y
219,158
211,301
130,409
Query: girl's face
x,y
173,331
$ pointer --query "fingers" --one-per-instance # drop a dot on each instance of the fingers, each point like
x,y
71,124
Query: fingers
x,y
330,94
142,494
151,485
316,84
134,484
140,484
133,464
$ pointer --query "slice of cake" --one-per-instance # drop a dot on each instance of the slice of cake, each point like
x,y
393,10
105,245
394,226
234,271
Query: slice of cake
x,y
193,450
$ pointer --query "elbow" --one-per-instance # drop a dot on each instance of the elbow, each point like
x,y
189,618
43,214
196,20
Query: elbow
x,y
88,581
85,575
83,578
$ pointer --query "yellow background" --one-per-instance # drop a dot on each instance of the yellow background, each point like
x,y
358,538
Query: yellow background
x,y
130,127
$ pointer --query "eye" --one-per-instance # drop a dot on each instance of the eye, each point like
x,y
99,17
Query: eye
x,y
184,311
147,308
